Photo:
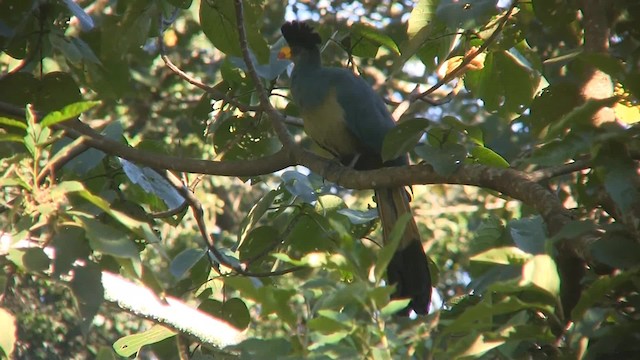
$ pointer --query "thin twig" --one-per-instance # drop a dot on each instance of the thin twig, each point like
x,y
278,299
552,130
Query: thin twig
x,y
555,171
209,240
277,119
467,59
219,95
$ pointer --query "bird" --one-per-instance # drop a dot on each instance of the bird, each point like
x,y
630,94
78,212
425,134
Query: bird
x,y
344,115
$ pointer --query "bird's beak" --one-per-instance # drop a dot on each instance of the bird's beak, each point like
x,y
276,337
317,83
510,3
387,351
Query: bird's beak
x,y
285,53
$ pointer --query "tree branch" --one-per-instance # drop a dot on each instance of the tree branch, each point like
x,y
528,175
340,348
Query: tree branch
x,y
277,119
469,58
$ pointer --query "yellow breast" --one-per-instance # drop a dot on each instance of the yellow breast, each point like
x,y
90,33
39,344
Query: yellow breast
x,y
326,125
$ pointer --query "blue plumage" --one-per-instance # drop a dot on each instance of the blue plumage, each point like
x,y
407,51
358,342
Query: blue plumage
x,y
343,115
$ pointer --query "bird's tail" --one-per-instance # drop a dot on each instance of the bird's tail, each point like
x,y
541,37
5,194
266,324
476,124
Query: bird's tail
x,y
408,269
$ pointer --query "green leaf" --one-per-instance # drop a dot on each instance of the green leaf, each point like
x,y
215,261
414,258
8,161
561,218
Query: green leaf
x,y
364,36
403,138
255,214
299,185
108,240
573,229
272,348
182,4
616,250
30,259
8,335
480,316
12,122
474,345
554,12
472,132
422,16
152,182
358,217
466,14
88,291
258,241
505,84
393,307
12,138
596,291
502,255
486,156
579,116
139,227
218,21
542,272
233,311
445,160
131,344
529,234
551,104
183,262
387,251
428,37
68,112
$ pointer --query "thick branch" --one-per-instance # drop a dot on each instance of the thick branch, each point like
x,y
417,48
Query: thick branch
x,y
244,168
510,182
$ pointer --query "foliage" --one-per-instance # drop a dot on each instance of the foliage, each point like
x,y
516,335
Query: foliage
x,y
288,259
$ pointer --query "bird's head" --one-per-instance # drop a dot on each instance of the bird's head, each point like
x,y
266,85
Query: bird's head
x,y
301,38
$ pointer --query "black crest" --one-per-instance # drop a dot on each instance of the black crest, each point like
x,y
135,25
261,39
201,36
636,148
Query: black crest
x,y
300,34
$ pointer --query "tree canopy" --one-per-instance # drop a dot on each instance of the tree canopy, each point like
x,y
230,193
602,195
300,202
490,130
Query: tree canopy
x,y
160,198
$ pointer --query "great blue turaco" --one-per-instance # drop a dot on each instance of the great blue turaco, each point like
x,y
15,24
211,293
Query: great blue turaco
x,y
344,116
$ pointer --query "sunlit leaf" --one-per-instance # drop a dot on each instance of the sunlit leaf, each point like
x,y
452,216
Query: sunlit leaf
x,y
131,344
542,272
502,255
68,112
8,336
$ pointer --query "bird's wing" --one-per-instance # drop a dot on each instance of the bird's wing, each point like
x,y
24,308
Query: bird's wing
x,y
365,113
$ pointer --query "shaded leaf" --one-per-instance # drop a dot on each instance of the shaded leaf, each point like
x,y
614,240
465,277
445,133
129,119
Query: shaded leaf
x,y
153,183
403,138
596,291
445,160
466,14
88,291
108,240
183,262
255,214
529,234
616,250
233,311
218,21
